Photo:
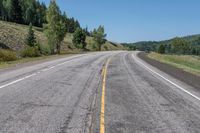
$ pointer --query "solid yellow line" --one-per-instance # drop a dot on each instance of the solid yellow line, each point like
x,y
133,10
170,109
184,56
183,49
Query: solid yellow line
x,y
102,115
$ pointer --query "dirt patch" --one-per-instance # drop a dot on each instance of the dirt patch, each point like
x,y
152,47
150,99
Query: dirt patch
x,y
177,73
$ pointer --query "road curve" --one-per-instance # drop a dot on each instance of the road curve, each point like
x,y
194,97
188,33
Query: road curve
x,y
65,96
51,97
139,101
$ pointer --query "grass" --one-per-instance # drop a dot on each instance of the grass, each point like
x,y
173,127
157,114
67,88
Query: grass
x,y
6,64
13,36
187,63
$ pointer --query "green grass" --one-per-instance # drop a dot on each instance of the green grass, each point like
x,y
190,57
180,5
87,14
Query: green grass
x,y
7,64
187,63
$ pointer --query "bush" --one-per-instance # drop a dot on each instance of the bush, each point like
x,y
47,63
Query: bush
x,y
7,55
79,38
44,49
94,46
30,52
105,47
161,49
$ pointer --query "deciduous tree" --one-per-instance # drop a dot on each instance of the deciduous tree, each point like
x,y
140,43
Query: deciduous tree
x,y
99,36
55,28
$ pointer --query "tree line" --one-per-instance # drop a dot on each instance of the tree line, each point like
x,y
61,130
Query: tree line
x,y
23,11
189,45
180,46
55,29
31,11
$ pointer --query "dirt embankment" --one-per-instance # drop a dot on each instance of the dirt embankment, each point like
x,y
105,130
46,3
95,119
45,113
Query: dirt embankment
x,y
177,73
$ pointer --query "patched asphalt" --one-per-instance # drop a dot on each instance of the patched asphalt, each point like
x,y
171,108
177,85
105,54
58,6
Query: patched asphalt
x,y
64,96
138,101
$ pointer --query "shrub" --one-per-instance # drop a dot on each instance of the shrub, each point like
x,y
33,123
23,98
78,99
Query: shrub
x,y
161,49
79,38
7,55
105,47
44,49
30,52
94,46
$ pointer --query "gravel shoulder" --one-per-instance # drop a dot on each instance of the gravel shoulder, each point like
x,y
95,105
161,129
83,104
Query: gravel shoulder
x,y
177,73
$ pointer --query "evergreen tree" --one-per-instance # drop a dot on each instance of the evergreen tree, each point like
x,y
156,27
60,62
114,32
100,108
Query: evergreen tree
x,y
16,11
180,46
31,40
79,38
71,26
161,49
40,14
7,10
76,25
86,31
30,13
1,7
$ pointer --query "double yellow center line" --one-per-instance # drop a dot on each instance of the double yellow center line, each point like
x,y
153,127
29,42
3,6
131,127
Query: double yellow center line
x,y
102,114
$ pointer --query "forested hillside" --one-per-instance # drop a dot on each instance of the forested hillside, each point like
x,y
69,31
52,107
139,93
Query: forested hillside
x,y
13,36
31,11
179,45
28,28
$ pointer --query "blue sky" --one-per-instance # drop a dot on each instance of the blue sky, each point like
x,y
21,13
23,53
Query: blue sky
x,y
136,20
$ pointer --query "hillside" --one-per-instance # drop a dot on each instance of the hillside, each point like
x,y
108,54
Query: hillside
x,y
192,39
151,45
13,36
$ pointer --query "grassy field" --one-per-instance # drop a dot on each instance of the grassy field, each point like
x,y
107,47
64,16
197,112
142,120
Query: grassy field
x,y
186,62
13,36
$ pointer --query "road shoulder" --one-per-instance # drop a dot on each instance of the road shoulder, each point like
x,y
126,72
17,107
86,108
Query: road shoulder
x,y
177,73
5,66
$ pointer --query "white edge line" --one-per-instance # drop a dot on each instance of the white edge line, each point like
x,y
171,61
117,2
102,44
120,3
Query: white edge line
x,y
26,77
194,96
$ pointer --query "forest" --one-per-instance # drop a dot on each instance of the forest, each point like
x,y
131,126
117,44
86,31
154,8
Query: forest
x,y
31,11
50,21
189,45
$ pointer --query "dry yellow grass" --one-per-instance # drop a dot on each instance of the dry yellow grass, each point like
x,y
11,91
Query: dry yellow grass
x,y
13,35
6,64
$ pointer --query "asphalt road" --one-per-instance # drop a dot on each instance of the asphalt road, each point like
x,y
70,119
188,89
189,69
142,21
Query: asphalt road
x,y
65,95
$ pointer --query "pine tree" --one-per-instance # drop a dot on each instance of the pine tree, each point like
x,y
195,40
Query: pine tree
x,y
31,40
86,31
1,7
79,38
71,27
7,10
161,49
16,11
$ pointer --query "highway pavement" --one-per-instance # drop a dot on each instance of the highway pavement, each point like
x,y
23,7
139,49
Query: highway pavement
x,y
101,92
